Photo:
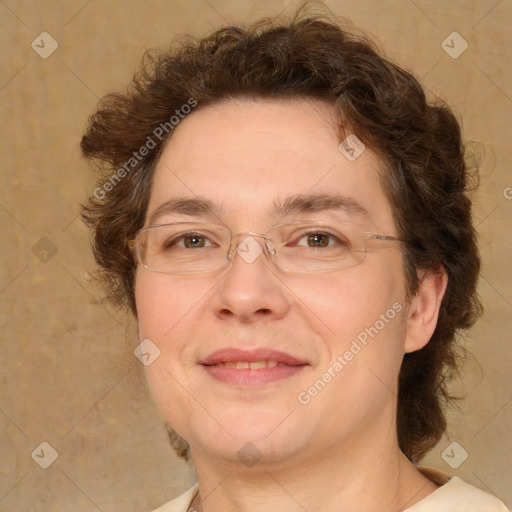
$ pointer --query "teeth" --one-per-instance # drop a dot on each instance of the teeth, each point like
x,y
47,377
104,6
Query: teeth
x,y
253,365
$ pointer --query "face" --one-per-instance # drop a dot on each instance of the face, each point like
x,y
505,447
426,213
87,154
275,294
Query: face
x,y
338,336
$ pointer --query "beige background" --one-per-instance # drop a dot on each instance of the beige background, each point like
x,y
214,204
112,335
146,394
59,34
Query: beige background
x,y
67,374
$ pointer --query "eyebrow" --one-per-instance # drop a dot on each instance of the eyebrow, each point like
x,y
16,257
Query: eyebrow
x,y
200,206
194,206
317,203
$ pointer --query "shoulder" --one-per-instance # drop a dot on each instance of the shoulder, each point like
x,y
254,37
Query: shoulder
x,y
454,495
181,503
457,495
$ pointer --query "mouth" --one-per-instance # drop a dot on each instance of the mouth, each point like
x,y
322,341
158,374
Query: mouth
x,y
252,368
253,365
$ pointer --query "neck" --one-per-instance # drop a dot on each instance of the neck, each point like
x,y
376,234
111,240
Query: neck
x,y
362,477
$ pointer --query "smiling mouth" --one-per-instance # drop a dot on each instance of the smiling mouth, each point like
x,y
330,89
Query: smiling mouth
x,y
252,365
251,369
253,359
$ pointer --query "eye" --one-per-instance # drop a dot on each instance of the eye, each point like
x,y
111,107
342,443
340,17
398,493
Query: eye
x,y
320,239
189,241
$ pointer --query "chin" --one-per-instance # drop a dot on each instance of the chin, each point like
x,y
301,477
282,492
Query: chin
x,y
263,443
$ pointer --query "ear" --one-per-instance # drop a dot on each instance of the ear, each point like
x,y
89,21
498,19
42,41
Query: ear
x,y
423,311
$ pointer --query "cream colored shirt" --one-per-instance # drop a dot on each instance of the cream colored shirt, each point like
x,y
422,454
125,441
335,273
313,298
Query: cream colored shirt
x,y
454,496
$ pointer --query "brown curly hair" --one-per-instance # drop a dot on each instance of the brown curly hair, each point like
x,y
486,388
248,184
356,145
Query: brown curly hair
x,y
312,56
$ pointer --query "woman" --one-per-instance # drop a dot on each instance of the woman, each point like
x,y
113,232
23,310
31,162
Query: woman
x,y
286,217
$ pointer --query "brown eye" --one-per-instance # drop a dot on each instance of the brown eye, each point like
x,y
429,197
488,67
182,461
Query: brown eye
x,y
192,241
188,241
318,240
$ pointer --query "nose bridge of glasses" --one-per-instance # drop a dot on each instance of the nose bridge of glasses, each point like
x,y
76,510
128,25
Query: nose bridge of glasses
x,y
246,241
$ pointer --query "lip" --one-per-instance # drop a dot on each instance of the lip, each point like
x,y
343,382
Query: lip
x,y
247,377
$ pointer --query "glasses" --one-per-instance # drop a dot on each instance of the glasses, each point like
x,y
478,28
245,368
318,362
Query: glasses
x,y
193,247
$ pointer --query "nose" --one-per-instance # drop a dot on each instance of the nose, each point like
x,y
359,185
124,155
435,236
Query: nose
x,y
251,290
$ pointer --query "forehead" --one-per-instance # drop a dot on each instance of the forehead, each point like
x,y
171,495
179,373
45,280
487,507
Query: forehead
x,y
243,160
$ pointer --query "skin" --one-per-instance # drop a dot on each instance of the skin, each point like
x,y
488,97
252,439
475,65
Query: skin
x,y
340,451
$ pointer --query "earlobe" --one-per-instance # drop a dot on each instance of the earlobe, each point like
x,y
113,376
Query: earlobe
x,y
424,309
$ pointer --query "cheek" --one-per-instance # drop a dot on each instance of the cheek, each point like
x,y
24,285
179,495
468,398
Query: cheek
x,y
162,305
364,312
163,301
172,313
165,307
151,299
349,301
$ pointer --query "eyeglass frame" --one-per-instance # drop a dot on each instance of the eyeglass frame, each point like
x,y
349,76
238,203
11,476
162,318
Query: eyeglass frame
x,y
270,252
